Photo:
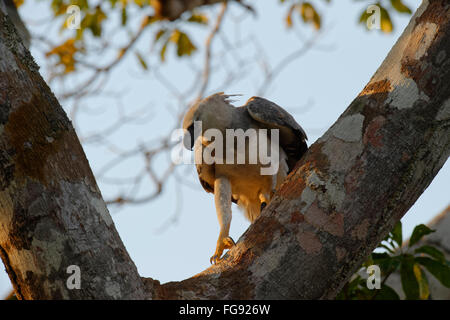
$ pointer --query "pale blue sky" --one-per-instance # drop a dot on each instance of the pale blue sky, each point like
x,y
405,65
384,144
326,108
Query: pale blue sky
x,y
325,80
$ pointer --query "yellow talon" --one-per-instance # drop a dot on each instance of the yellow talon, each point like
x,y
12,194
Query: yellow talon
x,y
222,244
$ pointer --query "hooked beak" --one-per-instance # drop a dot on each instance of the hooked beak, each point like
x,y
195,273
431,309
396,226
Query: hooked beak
x,y
188,138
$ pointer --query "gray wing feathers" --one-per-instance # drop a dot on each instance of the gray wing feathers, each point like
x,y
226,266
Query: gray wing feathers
x,y
265,111
272,116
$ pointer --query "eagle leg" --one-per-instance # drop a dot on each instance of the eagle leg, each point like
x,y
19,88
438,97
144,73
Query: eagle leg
x,y
222,197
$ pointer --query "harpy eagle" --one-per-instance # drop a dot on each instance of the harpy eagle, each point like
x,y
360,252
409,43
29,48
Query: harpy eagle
x,y
238,181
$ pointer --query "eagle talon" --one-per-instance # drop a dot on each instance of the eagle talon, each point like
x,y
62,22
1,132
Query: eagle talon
x,y
228,242
214,259
263,205
225,243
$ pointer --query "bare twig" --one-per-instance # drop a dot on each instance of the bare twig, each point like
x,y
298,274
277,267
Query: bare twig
x,y
208,45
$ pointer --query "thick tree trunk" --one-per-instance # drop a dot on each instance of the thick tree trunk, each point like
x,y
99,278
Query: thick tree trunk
x,y
343,197
52,214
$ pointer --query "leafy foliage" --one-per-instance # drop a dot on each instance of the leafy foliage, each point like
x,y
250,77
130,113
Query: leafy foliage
x,y
18,3
400,6
309,14
419,231
410,262
94,16
179,38
198,18
141,60
65,54
386,24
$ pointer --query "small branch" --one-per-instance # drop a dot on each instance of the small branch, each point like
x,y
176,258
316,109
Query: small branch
x,y
208,45
271,74
81,89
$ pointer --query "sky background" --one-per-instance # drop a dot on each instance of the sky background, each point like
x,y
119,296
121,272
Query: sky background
x,y
316,89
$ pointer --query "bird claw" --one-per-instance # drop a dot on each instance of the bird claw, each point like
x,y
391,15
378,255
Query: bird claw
x,y
226,243
263,205
214,259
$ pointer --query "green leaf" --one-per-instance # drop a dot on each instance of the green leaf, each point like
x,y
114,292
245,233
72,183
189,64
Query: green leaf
x,y
432,252
310,15
439,270
355,282
400,6
288,18
409,281
389,264
162,53
364,16
368,262
159,34
355,289
124,16
65,52
18,3
385,19
58,7
386,293
424,291
141,3
141,61
198,18
93,21
397,234
419,231
184,44
113,3
381,245
376,256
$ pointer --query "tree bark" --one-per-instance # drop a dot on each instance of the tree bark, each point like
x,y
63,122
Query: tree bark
x,y
52,214
343,197
352,186
173,9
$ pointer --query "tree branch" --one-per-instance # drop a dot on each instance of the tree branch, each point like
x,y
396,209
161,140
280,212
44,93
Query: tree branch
x,y
352,186
52,214
208,46
342,198
173,9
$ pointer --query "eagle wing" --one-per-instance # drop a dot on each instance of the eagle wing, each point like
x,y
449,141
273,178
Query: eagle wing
x,y
272,116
